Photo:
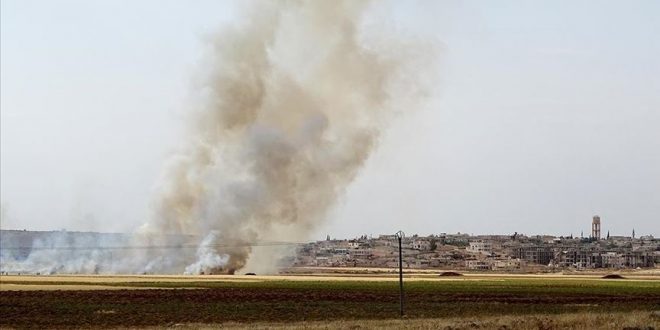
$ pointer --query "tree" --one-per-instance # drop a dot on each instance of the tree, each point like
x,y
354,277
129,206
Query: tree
x,y
434,245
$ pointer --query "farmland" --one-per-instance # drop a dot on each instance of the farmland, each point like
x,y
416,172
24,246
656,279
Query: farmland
x,y
313,301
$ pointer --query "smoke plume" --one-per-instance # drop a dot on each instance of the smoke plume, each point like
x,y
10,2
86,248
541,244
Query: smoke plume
x,y
292,104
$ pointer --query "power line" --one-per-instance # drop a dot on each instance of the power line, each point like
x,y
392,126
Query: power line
x,y
153,247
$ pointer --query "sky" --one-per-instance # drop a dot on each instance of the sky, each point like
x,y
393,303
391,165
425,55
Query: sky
x,y
547,113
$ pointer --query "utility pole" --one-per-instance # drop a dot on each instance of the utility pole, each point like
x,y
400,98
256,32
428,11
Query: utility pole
x,y
399,235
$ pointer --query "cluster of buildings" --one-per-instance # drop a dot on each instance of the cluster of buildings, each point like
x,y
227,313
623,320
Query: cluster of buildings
x,y
487,252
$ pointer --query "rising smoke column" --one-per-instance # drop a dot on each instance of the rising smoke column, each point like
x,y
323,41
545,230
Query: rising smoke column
x,y
294,102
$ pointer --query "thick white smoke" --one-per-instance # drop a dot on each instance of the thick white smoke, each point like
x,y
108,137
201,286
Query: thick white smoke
x,y
207,256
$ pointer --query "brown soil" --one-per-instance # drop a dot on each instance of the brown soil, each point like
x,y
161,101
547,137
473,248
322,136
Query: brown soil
x,y
114,308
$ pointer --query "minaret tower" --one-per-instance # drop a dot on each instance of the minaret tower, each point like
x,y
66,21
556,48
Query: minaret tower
x,y
595,227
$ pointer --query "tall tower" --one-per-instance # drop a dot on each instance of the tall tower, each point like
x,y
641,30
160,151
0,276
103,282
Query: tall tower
x,y
595,227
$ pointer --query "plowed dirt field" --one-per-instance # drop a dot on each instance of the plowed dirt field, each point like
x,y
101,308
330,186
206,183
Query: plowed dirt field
x,y
282,301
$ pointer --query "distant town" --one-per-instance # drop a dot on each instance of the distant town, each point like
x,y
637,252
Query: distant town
x,y
502,253
498,253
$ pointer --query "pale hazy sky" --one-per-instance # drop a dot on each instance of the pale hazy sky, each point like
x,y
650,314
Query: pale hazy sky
x,y
548,113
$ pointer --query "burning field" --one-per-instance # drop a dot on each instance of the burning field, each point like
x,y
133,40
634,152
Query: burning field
x,y
291,102
280,300
289,106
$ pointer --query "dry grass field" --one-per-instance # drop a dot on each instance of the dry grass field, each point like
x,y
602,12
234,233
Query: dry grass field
x,y
581,321
330,301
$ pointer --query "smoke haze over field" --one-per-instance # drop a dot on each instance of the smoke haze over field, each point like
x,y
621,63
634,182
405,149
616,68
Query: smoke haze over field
x,y
292,103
